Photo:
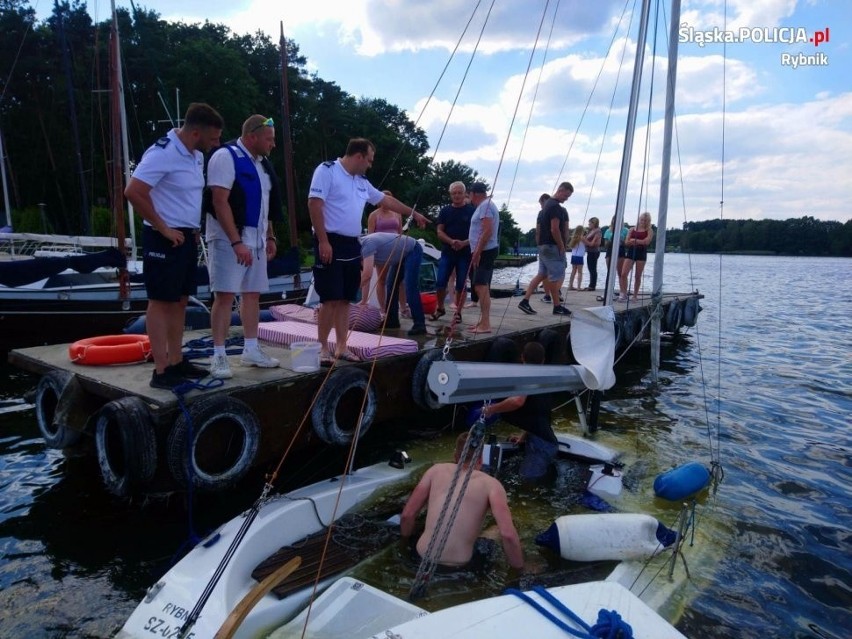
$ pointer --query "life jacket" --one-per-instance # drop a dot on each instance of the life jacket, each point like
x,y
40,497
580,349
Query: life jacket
x,y
246,194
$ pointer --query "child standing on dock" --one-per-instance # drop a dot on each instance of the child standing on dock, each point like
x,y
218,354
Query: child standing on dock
x,y
578,252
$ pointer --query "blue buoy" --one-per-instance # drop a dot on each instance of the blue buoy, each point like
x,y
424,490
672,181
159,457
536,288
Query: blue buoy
x,y
682,482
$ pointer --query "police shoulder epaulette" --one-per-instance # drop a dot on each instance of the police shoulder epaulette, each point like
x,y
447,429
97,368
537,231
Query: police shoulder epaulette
x,y
163,142
329,164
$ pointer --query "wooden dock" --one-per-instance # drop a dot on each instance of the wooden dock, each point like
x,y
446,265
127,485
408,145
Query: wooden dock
x,y
98,400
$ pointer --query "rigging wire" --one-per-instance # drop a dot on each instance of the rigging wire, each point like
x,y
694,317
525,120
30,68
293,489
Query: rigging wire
x,y
438,82
609,111
594,86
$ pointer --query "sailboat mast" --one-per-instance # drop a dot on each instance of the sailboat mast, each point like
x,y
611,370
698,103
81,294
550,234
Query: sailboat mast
x,y
122,114
85,213
628,146
289,172
8,208
116,140
665,171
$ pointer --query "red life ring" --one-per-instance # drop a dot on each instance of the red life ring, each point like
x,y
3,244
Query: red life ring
x,y
110,349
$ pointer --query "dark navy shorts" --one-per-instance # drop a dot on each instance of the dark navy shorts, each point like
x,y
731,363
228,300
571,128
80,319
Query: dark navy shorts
x,y
458,261
341,279
482,273
169,271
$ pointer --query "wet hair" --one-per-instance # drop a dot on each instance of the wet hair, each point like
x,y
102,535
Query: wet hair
x,y
360,146
533,353
544,197
460,441
201,114
595,221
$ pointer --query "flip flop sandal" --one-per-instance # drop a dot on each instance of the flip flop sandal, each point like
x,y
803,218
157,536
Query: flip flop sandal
x,y
438,314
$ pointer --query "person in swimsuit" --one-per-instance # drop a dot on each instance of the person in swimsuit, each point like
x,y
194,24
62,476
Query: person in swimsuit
x,y
636,247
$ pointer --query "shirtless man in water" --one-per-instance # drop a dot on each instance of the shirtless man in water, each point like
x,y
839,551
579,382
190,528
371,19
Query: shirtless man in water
x,y
483,492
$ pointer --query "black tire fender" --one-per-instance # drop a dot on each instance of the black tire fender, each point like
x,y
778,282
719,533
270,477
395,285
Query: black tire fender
x,y
420,392
223,445
335,412
673,316
627,328
126,445
637,322
619,333
56,432
691,309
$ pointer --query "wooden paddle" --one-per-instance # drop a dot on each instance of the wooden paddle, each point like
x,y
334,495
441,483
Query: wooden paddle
x,y
240,612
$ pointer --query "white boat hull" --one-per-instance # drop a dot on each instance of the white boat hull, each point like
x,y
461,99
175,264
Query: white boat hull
x,y
280,522
508,617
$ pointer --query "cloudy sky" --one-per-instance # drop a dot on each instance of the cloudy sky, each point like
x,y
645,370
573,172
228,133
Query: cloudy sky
x,y
771,139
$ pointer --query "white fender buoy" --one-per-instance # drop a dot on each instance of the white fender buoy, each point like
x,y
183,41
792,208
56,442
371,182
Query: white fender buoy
x,y
606,536
605,481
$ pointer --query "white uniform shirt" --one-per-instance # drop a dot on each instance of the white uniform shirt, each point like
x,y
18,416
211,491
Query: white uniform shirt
x,y
344,197
176,178
221,172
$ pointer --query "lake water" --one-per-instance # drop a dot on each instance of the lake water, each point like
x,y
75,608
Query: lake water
x,y
766,378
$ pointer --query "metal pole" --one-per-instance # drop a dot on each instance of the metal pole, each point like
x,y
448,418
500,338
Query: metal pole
x,y
8,207
628,145
289,171
665,170
117,119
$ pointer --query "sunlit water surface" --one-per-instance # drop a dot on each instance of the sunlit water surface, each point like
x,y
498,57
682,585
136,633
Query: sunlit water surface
x,y
765,378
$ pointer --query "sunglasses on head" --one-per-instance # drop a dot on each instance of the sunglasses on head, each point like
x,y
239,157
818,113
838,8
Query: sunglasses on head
x,y
267,122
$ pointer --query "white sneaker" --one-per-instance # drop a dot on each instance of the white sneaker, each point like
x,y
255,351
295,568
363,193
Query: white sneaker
x,y
258,358
220,368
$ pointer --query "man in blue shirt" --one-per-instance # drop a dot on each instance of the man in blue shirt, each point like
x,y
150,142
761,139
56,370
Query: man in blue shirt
x,y
453,230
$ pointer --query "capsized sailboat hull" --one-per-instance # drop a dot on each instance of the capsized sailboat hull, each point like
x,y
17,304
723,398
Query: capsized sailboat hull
x,y
280,522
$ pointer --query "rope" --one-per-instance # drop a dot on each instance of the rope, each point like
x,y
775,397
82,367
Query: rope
x,y
609,623
438,541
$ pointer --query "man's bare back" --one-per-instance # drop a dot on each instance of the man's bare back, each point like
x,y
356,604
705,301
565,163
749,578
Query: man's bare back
x,y
483,493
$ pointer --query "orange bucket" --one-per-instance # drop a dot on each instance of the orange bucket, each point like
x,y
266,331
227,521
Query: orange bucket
x,y
429,301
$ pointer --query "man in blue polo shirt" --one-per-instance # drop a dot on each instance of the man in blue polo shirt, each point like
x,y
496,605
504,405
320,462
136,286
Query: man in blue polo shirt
x,y
453,231
166,190
339,192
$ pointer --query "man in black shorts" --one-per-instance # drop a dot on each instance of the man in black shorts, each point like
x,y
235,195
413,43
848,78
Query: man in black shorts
x,y
166,190
336,202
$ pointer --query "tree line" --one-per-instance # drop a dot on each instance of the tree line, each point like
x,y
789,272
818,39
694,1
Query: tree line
x,y
55,115
55,122
804,236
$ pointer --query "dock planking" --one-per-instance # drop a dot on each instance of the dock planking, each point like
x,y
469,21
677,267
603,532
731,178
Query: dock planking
x,y
282,399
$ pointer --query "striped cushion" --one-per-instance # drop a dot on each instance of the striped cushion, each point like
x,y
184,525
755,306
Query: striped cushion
x,y
361,317
365,345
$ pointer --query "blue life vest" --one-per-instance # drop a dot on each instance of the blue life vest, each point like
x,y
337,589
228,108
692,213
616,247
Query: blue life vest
x,y
246,193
